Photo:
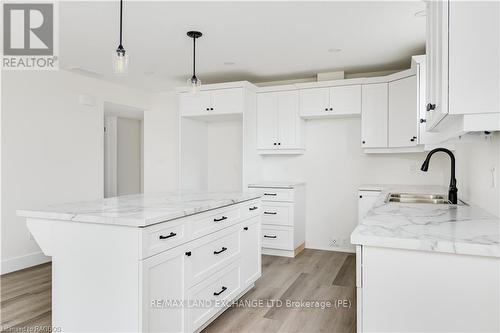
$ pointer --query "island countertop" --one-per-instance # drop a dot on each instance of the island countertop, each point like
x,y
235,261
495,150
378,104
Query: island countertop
x,y
459,229
138,210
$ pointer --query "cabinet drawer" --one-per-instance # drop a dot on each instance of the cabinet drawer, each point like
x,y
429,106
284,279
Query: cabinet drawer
x,y
209,297
251,209
277,237
215,220
277,213
161,237
274,194
210,253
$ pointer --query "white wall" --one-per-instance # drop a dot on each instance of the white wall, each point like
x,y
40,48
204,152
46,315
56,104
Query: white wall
x,y
128,166
475,161
333,167
52,148
161,144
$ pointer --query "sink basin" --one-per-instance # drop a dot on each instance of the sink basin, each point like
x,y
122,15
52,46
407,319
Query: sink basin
x,y
438,199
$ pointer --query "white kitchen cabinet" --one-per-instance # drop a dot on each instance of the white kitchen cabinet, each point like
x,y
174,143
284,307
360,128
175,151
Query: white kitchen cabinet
x,y
212,102
251,265
403,112
403,290
117,273
314,101
437,61
283,217
279,127
374,115
158,285
366,200
463,52
345,100
334,101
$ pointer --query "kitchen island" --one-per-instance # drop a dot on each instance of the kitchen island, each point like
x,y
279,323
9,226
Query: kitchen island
x,y
427,267
148,263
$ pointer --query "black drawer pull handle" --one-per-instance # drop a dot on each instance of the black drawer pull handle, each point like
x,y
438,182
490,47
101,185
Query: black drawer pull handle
x,y
270,213
188,253
172,234
222,250
221,219
220,292
271,194
266,236
253,208
245,228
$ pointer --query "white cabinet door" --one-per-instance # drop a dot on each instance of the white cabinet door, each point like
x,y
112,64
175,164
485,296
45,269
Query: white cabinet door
x,y
365,202
163,281
374,116
226,101
437,61
474,37
403,112
315,101
288,120
267,120
345,99
250,250
195,104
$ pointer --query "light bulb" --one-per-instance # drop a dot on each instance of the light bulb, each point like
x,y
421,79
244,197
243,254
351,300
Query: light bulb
x,y
120,61
194,84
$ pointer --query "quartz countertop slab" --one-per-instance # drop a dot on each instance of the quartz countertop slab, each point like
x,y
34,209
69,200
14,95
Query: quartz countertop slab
x,y
138,210
459,229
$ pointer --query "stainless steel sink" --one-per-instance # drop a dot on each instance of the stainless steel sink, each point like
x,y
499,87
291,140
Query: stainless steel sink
x,y
438,199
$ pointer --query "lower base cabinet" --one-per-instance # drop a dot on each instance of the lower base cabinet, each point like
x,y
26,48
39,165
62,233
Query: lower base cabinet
x,y
185,287
402,290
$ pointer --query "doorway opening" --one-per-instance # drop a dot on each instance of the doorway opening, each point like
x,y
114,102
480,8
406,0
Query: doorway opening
x,y
123,150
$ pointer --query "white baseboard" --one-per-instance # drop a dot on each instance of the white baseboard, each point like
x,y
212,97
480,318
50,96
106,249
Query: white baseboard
x,y
21,262
335,249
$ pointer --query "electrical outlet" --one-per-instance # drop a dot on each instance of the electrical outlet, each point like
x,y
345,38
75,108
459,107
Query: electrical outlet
x,y
334,242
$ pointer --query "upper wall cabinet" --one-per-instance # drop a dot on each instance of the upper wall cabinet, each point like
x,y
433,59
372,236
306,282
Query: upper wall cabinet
x,y
338,101
279,127
403,112
463,62
211,102
374,117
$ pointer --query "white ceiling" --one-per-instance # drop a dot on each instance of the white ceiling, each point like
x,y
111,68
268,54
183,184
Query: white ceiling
x,y
266,41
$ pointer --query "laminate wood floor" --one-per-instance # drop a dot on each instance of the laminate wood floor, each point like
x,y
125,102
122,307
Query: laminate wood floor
x,y
311,276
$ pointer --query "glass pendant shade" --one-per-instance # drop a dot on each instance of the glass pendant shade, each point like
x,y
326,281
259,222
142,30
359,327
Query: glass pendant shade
x,y
120,62
194,84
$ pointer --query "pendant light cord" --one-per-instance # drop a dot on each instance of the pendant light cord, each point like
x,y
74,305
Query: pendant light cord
x,y
121,19
194,57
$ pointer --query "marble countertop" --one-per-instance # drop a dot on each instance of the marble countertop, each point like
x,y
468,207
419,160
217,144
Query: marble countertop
x,y
138,210
459,229
276,184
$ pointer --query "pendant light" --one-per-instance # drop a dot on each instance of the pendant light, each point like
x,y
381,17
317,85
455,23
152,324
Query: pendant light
x,y
120,57
194,83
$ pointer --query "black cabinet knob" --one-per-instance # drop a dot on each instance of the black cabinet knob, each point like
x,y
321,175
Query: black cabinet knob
x,y
211,109
208,109
245,228
363,142
275,143
188,253
361,197
279,143
412,139
331,109
430,107
326,109
423,121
